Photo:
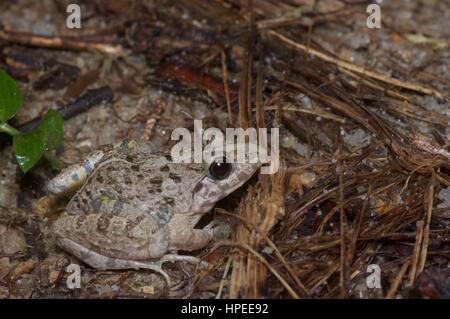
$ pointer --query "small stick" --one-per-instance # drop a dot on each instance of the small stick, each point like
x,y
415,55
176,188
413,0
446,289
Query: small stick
x,y
85,102
72,43
224,278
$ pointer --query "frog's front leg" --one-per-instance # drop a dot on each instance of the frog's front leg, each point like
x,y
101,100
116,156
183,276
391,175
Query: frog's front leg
x,y
183,235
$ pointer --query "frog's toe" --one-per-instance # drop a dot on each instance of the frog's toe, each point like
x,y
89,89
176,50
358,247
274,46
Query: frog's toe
x,y
46,205
185,258
209,228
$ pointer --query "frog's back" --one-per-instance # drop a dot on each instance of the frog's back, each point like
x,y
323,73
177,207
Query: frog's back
x,y
137,175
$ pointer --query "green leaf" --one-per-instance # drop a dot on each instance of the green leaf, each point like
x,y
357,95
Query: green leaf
x,y
10,97
28,149
50,130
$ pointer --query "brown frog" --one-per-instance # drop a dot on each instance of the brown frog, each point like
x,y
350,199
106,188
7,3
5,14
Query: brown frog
x,y
135,208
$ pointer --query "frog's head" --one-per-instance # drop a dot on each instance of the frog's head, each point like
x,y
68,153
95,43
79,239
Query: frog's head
x,y
224,173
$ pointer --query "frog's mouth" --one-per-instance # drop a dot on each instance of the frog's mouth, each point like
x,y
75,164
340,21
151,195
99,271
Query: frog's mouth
x,y
203,199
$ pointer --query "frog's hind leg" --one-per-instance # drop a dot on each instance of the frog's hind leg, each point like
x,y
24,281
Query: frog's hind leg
x,y
74,176
99,261
69,180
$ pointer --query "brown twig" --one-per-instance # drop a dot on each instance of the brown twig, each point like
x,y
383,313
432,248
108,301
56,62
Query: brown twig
x,y
71,43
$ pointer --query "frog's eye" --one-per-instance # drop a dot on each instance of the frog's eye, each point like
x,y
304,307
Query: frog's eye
x,y
220,169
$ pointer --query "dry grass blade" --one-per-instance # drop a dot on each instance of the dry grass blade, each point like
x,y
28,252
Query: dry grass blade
x,y
276,251
426,232
261,259
415,258
356,68
394,287
262,206
223,59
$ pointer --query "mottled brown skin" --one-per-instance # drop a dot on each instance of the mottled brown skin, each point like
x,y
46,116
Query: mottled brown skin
x,y
136,206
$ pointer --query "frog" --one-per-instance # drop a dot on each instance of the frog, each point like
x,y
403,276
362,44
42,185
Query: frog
x,y
132,207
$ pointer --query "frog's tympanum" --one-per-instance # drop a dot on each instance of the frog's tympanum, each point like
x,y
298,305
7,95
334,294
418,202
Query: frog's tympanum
x,y
134,208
